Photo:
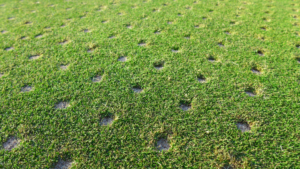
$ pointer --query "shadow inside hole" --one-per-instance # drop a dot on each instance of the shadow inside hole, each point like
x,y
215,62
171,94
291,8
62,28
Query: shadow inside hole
x,y
250,92
201,79
137,89
159,65
211,59
255,70
260,53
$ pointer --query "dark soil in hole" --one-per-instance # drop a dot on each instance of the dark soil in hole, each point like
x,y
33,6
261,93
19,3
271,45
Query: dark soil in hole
x,y
220,44
142,43
260,53
232,22
9,48
162,144
243,126
227,166
204,18
227,32
159,65
137,89
263,28
211,59
201,79
175,49
157,32
298,46
255,70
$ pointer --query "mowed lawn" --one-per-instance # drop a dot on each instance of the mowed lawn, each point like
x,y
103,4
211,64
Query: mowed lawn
x,y
149,84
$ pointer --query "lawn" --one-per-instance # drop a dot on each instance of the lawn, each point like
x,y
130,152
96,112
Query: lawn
x,y
149,84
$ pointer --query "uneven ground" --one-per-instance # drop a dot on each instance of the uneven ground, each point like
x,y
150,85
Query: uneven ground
x,y
149,84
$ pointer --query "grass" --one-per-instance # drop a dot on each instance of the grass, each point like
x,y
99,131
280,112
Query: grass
x,y
62,78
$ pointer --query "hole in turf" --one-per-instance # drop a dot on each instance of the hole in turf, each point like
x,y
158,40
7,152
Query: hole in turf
x,y
162,144
81,17
137,89
142,43
90,50
34,57
185,106
227,32
179,14
62,105
260,52
188,36
111,37
227,166
107,121
63,25
250,92
11,143
154,10
210,10
23,37
120,13
220,44
201,78
48,27
204,18
255,70
157,32
128,26
9,48
165,4
267,12
104,21
4,31
169,22
188,8
122,59
86,30
211,58
11,18
232,22
96,79
26,89
63,42
1,74
175,49
243,126
263,28
27,23
62,164
63,67
159,65
39,36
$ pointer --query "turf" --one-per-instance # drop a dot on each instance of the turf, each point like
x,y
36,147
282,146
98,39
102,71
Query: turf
x,y
149,84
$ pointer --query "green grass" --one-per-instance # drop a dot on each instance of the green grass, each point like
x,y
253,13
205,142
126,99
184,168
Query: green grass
x,y
217,41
